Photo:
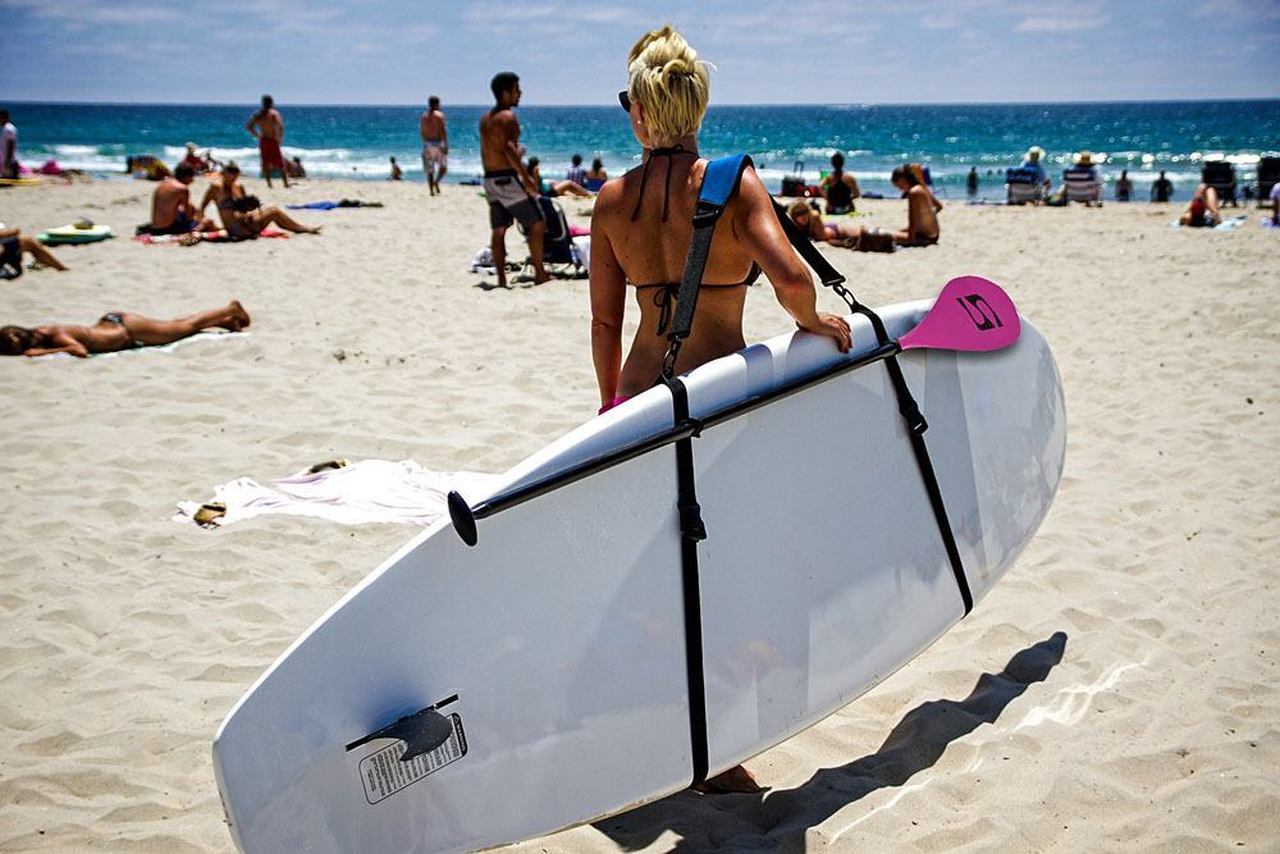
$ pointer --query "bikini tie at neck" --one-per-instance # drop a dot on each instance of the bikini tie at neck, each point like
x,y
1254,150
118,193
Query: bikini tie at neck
x,y
666,189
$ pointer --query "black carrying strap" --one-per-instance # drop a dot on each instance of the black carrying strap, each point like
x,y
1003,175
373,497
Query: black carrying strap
x,y
692,532
907,406
719,182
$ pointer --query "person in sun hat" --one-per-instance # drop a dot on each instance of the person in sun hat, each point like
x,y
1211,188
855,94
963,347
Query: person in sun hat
x,y
1035,160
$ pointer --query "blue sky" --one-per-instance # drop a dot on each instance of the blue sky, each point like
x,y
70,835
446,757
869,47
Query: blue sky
x,y
764,51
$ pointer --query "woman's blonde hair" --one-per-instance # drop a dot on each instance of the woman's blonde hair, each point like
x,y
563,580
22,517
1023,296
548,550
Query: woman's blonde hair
x,y
666,77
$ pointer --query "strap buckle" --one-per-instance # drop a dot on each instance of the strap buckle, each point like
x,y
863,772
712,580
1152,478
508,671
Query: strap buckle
x,y
706,214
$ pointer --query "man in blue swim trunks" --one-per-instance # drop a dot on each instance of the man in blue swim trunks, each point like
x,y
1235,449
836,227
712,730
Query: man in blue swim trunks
x,y
511,190
171,211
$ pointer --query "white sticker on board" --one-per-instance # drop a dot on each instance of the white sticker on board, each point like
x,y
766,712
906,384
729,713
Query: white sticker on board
x,y
383,774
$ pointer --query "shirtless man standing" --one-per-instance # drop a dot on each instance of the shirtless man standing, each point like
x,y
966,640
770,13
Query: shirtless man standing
x,y
171,211
268,127
511,190
435,144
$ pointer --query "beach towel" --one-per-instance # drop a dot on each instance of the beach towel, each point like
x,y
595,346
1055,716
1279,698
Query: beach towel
x,y
328,206
220,236
207,335
360,493
1226,225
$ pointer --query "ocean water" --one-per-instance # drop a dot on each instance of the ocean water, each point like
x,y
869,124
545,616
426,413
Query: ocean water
x,y
356,142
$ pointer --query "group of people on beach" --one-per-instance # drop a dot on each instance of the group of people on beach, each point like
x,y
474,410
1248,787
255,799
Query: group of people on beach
x,y
242,216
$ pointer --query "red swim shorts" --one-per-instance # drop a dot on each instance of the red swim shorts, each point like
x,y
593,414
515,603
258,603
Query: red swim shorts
x,y
272,156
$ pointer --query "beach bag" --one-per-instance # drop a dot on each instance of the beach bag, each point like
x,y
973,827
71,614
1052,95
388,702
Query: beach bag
x,y
793,186
875,241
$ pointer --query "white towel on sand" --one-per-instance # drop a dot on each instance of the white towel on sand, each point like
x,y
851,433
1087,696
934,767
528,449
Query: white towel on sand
x,y
361,493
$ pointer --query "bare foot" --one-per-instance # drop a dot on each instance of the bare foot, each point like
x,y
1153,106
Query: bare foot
x,y
737,779
241,316
315,230
545,277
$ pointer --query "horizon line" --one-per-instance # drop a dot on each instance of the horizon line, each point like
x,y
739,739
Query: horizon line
x,y
855,105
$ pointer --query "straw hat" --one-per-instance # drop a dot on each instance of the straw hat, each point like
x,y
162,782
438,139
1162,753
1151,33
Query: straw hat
x,y
1034,153
1084,158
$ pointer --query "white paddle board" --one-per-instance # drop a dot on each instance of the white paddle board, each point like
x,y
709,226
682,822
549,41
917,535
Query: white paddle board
x,y
545,675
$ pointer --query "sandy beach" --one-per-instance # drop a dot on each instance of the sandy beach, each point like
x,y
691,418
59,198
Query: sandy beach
x,y
1117,690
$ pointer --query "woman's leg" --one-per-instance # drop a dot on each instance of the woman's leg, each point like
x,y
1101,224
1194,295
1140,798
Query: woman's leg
x,y
1211,203
42,255
572,188
274,216
150,331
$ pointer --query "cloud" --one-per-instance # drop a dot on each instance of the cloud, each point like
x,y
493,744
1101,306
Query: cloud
x,y
1071,24
82,11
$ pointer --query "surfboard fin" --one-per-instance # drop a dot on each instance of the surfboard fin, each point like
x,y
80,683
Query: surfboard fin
x,y
421,732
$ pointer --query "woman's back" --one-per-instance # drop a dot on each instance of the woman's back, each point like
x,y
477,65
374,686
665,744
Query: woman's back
x,y
642,228
652,252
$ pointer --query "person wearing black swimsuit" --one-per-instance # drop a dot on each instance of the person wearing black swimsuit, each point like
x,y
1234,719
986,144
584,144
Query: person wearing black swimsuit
x,y
839,188
640,236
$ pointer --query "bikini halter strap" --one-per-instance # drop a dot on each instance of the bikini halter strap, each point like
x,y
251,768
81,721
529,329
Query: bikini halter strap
x,y
666,189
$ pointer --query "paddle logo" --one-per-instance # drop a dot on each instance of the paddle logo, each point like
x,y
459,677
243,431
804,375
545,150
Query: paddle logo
x,y
987,319
984,317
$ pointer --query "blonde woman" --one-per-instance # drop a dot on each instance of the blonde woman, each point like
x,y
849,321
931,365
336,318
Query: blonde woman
x,y
642,227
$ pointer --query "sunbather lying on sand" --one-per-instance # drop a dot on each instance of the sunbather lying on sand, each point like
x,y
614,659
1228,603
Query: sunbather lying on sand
x,y
13,243
117,330
809,220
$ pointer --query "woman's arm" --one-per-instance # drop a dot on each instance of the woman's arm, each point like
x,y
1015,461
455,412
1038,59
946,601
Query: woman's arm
x,y
914,200
608,302
757,228
63,343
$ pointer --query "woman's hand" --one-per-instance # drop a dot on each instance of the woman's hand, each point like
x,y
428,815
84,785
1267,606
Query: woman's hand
x,y
832,326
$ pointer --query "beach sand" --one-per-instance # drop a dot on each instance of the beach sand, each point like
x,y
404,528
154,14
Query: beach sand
x,y
1119,688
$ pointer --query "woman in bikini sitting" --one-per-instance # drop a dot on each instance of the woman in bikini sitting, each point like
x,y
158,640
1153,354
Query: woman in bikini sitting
x,y
242,223
922,208
117,330
555,188
809,220
1203,210
641,235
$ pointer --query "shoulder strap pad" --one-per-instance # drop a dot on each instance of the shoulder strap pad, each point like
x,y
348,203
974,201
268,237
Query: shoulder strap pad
x,y
721,179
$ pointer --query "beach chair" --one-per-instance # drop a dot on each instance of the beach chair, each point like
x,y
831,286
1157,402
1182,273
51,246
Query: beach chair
x,y
1022,185
559,254
1268,176
1082,184
1221,175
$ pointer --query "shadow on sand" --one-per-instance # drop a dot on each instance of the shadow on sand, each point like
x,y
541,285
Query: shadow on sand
x,y
777,820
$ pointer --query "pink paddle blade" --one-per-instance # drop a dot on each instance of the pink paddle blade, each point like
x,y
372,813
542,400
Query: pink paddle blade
x,y
971,313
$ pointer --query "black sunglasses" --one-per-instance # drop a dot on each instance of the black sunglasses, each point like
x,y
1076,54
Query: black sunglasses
x,y
625,100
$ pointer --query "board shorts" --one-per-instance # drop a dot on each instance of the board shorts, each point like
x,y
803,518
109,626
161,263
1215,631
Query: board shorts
x,y
272,156
508,200
182,224
433,152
